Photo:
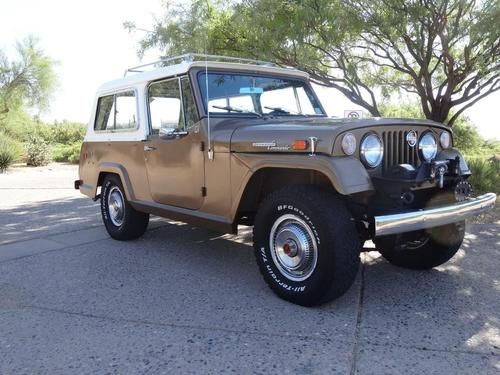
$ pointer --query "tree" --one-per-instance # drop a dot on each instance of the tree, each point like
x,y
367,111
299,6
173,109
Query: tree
x,y
444,52
28,81
447,52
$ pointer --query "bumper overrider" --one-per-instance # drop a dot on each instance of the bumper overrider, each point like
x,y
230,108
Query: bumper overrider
x,y
432,217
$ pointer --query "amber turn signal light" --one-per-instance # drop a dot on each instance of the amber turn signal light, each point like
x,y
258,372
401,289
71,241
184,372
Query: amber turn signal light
x,y
300,144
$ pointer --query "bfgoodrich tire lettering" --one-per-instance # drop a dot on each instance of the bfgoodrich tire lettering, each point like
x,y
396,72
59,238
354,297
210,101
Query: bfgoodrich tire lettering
x,y
306,245
121,220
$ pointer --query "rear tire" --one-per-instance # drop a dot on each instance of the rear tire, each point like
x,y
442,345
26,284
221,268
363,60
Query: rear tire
x,y
121,220
306,245
422,249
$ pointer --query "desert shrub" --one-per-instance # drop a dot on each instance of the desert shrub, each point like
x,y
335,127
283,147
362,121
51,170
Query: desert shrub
x,y
66,153
485,174
22,128
67,133
8,152
37,151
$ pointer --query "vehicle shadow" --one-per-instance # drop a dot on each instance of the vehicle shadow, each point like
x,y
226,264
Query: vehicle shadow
x,y
44,218
455,306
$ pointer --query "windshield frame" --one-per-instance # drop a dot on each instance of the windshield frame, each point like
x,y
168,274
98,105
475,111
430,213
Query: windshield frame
x,y
200,96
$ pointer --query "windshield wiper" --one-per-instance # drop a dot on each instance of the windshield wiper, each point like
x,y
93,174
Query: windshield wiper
x,y
280,110
237,110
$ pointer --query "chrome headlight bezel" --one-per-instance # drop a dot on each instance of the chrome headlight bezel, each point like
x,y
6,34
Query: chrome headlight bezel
x,y
348,144
445,139
371,155
427,146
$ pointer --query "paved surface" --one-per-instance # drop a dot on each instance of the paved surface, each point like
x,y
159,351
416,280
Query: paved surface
x,y
187,300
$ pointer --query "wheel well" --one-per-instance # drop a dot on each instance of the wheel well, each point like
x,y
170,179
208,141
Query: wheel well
x,y
101,177
267,180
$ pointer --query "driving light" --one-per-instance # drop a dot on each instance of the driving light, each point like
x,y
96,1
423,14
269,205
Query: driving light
x,y
445,139
348,143
372,150
428,146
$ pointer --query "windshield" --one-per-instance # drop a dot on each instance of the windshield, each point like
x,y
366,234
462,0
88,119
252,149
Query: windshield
x,y
240,94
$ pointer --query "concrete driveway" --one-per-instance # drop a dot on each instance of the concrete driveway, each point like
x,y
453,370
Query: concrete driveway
x,y
187,300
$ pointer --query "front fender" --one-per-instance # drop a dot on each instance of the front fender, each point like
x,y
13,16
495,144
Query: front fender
x,y
347,174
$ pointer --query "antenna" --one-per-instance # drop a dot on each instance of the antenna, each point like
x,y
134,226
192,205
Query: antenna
x,y
210,150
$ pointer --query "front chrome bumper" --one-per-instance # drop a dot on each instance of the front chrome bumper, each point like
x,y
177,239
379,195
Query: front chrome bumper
x,y
433,217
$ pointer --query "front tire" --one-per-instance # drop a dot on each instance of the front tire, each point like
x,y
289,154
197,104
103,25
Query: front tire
x,y
121,220
422,250
306,245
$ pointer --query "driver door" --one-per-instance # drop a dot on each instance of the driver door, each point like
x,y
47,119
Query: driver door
x,y
173,153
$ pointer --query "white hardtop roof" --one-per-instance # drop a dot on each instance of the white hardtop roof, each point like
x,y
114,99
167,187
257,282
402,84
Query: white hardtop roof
x,y
182,68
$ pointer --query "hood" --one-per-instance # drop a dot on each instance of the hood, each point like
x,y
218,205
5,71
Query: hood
x,y
279,135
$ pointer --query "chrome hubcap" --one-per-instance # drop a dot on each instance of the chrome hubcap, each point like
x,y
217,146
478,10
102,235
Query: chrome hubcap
x,y
293,247
116,206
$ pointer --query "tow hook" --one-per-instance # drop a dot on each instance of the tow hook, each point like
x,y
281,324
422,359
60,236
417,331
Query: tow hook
x,y
439,169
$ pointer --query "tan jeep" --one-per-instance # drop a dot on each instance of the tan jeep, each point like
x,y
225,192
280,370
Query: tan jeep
x,y
221,143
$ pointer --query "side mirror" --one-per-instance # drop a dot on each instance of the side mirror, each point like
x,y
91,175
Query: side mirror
x,y
171,133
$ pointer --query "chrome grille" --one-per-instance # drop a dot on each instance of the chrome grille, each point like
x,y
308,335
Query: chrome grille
x,y
397,151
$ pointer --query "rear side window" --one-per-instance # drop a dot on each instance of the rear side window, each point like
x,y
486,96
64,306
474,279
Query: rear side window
x,y
117,112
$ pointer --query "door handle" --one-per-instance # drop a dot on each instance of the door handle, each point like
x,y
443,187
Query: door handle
x,y
149,148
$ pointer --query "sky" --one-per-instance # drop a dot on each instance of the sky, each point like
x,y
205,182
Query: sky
x,y
91,46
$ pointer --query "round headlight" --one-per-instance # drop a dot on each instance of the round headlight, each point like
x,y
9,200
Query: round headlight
x,y
445,139
348,143
372,150
428,146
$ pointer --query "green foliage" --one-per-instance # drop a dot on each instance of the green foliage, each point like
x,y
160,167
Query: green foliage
x,y
485,174
67,153
27,82
67,132
8,152
21,127
37,151
64,138
466,137
401,110
445,53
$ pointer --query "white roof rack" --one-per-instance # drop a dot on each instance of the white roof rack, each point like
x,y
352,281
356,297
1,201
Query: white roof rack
x,y
190,57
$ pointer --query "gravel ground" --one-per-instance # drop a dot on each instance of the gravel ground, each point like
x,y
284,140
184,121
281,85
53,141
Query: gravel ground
x,y
183,300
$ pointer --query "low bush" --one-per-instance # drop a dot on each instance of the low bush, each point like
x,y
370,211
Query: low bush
x,y
66,153
37,151
67,133
485,174
8,152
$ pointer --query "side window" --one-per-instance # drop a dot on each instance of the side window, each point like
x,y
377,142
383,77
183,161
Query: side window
x,y
125,117
189,104
165,105
105,113
116,112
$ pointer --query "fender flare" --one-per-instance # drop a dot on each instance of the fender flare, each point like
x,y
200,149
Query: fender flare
x,y
118,169
346,174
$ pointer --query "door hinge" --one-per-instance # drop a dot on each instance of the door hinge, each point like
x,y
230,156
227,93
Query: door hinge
x,y
203,191
202,146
